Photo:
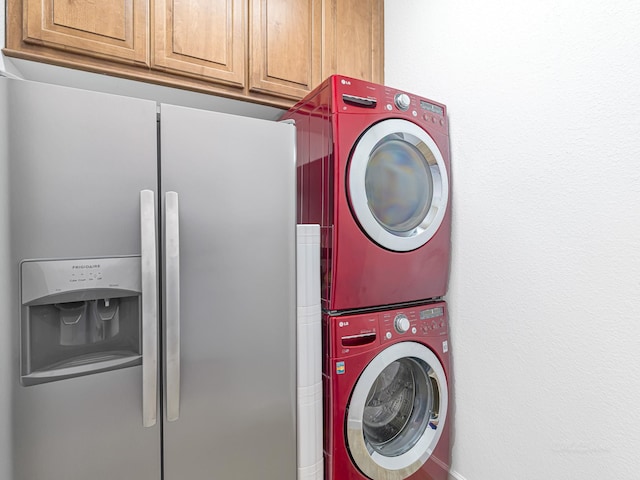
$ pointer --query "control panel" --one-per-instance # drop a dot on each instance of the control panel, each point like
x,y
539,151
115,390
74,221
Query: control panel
x,y
42,279
415,321
358,95
353,333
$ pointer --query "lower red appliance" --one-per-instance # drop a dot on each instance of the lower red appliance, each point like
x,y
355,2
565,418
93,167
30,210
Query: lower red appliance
x,y
386,379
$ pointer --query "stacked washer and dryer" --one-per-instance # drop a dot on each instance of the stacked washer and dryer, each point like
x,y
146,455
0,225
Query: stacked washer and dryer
x,y
373,172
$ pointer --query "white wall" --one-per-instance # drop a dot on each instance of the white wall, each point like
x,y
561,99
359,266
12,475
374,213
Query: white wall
x,y
544,105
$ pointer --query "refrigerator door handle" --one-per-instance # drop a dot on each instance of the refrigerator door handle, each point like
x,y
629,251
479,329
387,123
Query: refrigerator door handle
x,y
172,306
149,276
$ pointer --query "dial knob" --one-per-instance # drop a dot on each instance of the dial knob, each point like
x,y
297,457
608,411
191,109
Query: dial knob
x,y
401,324
402,101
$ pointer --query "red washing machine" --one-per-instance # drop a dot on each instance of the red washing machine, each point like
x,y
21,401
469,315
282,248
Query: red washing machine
x,y
386,393
373,171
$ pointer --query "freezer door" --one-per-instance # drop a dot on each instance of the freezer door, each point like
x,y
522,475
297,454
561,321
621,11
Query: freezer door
x,y
235,183
77,161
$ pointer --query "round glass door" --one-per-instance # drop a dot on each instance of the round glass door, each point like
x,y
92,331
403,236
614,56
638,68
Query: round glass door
x,y
398,185
397,411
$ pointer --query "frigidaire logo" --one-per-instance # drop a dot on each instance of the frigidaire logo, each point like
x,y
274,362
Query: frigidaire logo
x,y
91,265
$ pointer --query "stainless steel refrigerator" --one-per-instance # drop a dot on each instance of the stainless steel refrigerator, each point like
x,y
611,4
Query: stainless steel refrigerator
x,y
152,257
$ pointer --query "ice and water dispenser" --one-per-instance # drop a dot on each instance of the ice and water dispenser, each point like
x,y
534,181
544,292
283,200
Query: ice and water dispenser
x,y
79,316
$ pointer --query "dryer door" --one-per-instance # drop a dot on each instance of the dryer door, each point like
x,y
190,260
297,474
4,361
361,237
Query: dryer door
x,y
398,185
397,411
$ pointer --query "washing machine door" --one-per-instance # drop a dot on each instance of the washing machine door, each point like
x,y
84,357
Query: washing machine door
x,y
398,185
397,412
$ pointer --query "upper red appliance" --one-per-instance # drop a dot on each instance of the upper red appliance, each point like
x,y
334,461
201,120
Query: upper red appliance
x,y
373,171
387,401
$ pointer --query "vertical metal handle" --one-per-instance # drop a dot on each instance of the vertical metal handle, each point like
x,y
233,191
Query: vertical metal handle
x,y
149,274
172,305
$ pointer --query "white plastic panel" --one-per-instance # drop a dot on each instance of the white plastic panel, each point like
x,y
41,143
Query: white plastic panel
x,y
308,265
309,354
310,425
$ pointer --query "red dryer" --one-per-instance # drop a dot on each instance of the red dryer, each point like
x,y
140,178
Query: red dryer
x,y
373,171
386,388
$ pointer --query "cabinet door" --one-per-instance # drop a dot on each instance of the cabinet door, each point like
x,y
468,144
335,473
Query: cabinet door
x,y
354,39
116,29
285,46
200,38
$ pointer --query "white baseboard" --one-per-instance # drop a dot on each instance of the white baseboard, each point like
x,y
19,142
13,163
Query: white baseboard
x,y
453,475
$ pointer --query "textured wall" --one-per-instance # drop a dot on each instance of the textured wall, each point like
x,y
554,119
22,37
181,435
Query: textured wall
x,y
544,102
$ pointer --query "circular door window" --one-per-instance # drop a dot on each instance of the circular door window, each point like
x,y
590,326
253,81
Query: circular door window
x,y
398,185
397,411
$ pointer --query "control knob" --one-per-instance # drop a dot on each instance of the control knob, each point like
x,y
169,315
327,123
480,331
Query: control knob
x,y
402,101
401,323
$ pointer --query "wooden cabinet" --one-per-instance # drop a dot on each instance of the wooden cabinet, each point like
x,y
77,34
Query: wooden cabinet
x,y
268,51
285,46
114,29
200,38
354,39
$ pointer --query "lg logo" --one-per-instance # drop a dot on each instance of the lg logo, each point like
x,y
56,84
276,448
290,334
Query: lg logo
x,y
345,82
343,324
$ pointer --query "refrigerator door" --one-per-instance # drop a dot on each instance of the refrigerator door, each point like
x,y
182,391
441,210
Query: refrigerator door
x,y
77,163
235,183
7,296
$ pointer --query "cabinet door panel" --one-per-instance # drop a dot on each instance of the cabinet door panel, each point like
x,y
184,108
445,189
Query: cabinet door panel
x,y
106,18
354,39
116,29
285,52
201,38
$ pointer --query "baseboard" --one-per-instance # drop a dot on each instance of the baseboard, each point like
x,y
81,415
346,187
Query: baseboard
x,y
453,475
